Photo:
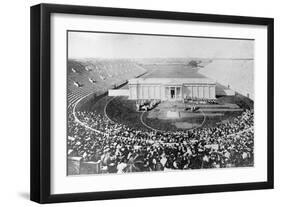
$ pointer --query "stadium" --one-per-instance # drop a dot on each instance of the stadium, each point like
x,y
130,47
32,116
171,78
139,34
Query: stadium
x,y
144,115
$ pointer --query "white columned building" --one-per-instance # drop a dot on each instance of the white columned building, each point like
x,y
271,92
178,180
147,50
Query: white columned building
x,y
171,88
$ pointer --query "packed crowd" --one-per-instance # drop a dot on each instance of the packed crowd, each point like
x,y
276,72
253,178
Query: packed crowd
x,y
146,105
200,101
123,149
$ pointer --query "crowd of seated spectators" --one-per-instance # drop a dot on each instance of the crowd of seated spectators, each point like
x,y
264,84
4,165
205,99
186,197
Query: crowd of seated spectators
x,y
146,105
192,108
122,149
200,101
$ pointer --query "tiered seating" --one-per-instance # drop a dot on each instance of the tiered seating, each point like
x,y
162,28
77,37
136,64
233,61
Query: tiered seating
x,y
97,76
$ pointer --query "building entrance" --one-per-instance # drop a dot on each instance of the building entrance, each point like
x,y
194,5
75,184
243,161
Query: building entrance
x,y
172,93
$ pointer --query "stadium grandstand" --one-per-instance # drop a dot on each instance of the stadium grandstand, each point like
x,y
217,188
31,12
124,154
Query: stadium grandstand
x,y
97,76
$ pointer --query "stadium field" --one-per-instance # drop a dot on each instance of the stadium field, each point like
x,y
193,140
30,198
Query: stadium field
x,y
123,111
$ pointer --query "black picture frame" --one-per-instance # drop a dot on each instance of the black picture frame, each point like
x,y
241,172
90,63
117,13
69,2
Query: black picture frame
x,y
41,98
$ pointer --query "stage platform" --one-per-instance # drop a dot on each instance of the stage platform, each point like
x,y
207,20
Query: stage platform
x,y
177,110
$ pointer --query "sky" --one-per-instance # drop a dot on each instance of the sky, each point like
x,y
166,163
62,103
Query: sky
x,y
109,45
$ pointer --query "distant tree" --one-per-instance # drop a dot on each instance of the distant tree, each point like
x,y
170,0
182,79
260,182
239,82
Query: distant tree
x,y
193,63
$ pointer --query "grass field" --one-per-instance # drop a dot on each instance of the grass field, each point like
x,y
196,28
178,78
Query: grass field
x,y
122,110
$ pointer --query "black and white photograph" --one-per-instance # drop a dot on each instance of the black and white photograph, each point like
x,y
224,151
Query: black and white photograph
x,y
141,103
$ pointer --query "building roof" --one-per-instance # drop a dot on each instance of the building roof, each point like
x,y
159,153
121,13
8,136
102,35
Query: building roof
x,y
171,81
